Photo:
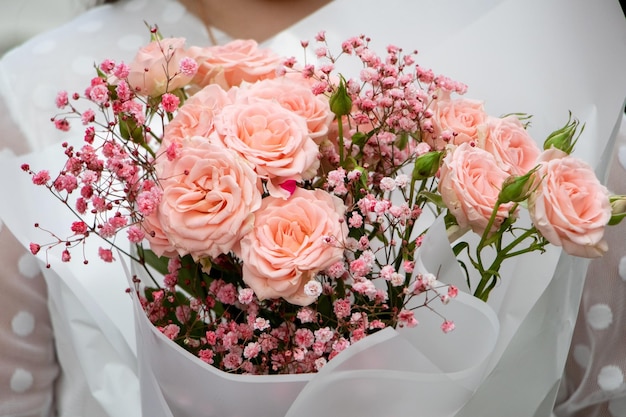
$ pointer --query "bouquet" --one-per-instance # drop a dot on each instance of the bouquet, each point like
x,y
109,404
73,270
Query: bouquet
x,y
280,208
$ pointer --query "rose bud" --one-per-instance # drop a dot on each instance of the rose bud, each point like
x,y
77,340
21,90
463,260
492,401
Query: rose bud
x,y
565,138
618,209
427,165
518,188
340,102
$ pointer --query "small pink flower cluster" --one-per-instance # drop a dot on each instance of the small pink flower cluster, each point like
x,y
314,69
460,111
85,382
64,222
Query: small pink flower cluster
x,y
281,237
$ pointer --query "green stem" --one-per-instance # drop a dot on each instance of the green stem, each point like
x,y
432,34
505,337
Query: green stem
x,y
489,277
340,139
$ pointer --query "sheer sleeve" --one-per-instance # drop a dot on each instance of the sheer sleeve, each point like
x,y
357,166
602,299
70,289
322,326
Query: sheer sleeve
x,y
594,383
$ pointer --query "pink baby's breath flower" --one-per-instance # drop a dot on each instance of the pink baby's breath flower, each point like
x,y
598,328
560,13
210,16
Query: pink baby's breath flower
x,y
123,91
397,279
88,116
106,255
61,99
323,335
170,331
251,350
245,296
227,294
206,355
313,288
66,183
261,324
336,270
62,124
422,148
121,70
408,266
188,66
355,220
320,36
407,318
41,177
34,248
66,256
135,234
365,287
107,66
447,326
387,184
306,315
342,308
170,102
99,94
232,361
304,338
319,363
340,345
453,291
386,272
79,227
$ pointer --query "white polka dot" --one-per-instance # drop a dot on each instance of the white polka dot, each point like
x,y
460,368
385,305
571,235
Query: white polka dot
x,y
44,47
621,155
132,42
610,378
28,265
599,316
23,323
581,355
172,13
617,407
622,268
43,96
135,5
90,27
83,65
21,381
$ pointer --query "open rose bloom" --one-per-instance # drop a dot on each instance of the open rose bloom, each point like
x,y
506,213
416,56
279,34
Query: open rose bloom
x,y
294,220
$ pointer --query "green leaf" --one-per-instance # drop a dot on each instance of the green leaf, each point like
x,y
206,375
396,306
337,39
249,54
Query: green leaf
x,y
158,263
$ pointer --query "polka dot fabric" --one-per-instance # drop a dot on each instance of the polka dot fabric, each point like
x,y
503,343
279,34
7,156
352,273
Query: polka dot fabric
x,y
28,366
594,380
34,382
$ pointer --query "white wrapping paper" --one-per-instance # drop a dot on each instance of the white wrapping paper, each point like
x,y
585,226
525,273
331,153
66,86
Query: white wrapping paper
x,y
540,57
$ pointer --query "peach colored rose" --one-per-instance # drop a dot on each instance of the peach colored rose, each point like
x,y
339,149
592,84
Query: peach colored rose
x,y
469,184
209,198
456,121
511,144
159,243
196,117
155,68
571,207
233,63
294,94
289,244
274,139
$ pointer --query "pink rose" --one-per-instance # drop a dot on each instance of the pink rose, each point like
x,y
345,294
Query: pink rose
x,y
159,243
196,117
571,207
470,181
233,63
456,121
274,139
295,94
209,198
290,244
514,149
156,67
